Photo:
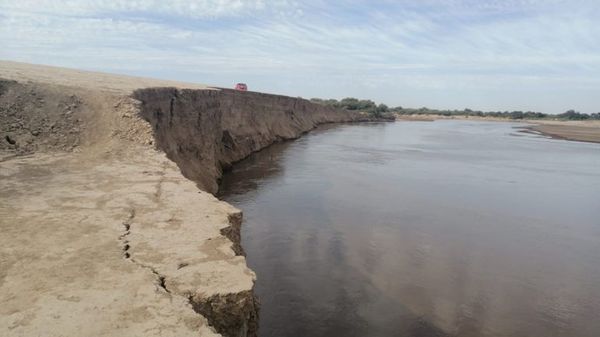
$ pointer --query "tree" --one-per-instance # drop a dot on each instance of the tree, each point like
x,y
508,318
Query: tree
x,y
573,115
516,115
382,108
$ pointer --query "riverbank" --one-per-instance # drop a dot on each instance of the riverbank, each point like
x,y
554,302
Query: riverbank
x,y
584,131
108,219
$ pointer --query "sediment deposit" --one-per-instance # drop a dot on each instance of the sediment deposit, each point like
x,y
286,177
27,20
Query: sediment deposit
x,y
582,131
102,234
575,130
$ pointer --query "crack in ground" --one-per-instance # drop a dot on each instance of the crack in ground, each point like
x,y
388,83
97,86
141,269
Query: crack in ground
x,y
161,282
220,311
123,237
127,224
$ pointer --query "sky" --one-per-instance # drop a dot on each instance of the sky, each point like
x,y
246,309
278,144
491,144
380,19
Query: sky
x,y
538,55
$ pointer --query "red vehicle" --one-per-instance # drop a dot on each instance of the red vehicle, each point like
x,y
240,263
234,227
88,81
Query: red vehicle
x,y
241,87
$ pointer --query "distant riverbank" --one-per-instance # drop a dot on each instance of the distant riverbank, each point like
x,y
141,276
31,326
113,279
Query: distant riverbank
x,y
583,131
562,130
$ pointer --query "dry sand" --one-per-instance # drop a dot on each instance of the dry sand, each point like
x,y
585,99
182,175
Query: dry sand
x,y
25,72
67,224
584,131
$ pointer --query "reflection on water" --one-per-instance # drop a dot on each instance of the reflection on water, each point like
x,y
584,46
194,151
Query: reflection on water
x,y
449,228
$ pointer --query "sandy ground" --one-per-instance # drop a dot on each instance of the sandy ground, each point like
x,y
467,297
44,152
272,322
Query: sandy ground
x,y
110,248
63,266
584,131
427,118
100,234
24,72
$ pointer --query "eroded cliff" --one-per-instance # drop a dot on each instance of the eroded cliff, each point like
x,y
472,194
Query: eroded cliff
x,y
206,131
102,234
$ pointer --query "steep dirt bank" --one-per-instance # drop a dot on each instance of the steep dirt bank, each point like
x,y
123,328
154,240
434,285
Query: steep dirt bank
x,y
102,234
206,131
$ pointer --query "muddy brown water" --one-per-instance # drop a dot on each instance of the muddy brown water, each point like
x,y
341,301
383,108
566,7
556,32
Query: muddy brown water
x,y
446,228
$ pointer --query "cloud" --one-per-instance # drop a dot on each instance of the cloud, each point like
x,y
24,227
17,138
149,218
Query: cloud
x,y
183,8
444,53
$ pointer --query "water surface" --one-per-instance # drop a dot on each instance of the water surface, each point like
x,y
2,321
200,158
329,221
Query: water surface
x,y
446,228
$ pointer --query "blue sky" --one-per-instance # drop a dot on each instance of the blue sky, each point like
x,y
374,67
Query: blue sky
x,y
541,55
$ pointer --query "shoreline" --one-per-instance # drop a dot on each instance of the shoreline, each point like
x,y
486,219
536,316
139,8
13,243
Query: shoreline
x,y
581,131
578,133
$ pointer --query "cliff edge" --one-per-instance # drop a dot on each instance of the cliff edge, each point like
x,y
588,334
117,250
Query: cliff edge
x,y
104,229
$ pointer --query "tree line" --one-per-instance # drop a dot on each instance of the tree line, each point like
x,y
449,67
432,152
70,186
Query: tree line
x,y
379,110
351,103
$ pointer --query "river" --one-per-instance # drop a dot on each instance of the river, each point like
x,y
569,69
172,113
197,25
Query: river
x,y
445,228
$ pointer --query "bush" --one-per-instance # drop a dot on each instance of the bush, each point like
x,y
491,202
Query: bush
x,y
573,115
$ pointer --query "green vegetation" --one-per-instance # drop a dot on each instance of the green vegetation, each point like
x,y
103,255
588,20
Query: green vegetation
x,y
350,103
381,110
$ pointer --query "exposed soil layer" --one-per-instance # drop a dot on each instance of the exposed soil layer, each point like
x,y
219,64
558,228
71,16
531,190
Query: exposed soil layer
x,y
207,131
38,118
